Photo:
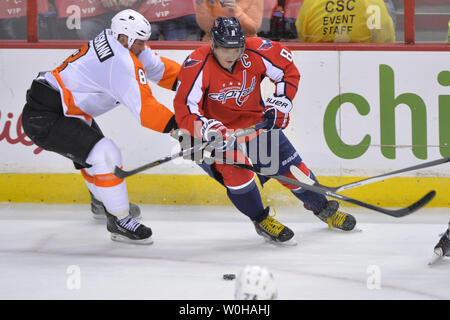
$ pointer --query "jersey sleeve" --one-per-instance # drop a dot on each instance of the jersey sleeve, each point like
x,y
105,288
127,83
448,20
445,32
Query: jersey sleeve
x,y
190,95
130,87
278,64
160,70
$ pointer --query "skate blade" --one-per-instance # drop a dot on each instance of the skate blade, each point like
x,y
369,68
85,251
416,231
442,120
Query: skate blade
x,y
435,258
119,238
99,217
355,229
290,243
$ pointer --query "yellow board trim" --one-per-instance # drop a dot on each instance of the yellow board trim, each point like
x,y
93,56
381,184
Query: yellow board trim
x,y
202,190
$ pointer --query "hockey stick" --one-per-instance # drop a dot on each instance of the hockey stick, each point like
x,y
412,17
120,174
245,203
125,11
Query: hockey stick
x,y
119,173
327,192
299,175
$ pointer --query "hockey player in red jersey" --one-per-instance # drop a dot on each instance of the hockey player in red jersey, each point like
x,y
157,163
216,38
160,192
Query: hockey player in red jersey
x,y
112,69
219,91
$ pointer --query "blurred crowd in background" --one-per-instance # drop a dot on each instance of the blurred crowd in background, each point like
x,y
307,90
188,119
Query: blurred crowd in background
x,y
285,20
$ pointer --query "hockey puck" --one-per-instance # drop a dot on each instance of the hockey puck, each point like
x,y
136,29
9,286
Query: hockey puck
x,y
229,276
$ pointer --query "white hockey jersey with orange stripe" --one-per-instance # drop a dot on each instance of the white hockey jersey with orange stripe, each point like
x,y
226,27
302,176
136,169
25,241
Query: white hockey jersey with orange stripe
x,y
103,74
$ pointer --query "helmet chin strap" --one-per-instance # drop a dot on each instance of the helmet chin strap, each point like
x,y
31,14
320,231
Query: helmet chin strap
x,y
130,42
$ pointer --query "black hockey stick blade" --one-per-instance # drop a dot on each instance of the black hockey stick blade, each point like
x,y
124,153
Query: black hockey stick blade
x,y
418,204
120,173
397,213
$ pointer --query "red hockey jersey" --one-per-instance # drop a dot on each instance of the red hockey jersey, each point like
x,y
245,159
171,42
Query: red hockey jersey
x,y
208,91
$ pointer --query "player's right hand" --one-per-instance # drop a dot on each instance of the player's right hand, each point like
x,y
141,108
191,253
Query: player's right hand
x,y
277,112
219,135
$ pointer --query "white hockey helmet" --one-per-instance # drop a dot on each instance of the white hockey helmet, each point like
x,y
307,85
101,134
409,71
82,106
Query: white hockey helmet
x,y
132,24
255,283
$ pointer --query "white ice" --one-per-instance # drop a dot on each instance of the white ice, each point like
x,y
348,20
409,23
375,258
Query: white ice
x,y
61,252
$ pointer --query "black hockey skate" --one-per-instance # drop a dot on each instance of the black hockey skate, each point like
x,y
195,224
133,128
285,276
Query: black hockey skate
x,y
442,248
336,218
128,230
272,230
99,211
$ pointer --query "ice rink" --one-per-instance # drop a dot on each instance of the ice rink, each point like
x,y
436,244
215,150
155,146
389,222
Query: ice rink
x,y
61,252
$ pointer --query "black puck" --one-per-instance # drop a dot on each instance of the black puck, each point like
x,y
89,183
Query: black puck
x,y
229,276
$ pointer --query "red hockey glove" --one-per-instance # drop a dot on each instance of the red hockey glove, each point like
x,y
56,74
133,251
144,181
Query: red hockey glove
x,y
277,112
219,136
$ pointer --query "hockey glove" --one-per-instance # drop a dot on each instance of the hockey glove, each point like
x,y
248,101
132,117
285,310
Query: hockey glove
x,y
277,112
219,136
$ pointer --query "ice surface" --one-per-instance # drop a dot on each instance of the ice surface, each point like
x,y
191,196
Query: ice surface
x,y
61,252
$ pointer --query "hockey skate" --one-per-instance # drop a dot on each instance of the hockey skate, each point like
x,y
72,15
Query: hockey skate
x,y
442,248
99,211
274,231
336,218
128,230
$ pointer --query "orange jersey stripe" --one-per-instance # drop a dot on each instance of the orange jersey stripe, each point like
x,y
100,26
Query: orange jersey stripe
x,y
87,176
154,115
102,180
72,109
107,180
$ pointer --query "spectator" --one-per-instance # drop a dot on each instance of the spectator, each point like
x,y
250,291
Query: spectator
x,y
84,19
345,21
390,6
171,19
448,34
283,14
248,12
13,18
269,8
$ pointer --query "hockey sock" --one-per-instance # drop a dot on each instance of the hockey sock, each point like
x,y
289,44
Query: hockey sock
x,y
89,180
247,200
121,215
313,201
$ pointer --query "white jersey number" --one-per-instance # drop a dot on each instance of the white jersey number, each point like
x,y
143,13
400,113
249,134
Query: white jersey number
x,y
142,77
286,54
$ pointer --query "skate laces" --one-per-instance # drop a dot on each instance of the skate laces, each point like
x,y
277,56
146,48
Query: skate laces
x,y
271,225
337,219
129,224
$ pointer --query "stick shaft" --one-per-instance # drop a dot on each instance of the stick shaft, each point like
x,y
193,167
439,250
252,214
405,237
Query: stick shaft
x,y
327,192
391,174
239,133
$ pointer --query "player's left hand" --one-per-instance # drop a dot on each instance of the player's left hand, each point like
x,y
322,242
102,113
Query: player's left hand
x,y
277,112
220,137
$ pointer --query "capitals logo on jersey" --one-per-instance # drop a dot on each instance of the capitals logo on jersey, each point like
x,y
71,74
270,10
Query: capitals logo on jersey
x,y
239,93
189,62
266,45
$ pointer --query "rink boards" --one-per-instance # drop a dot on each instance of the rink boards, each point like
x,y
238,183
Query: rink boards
x,y
357,114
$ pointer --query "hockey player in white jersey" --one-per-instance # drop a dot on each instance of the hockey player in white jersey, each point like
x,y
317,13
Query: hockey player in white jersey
x,y
112,69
